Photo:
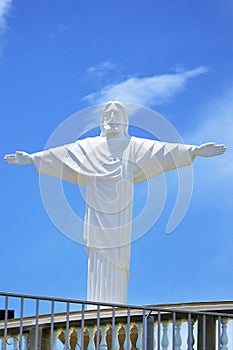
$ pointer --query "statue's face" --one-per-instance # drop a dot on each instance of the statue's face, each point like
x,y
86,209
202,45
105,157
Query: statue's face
x,y
113,120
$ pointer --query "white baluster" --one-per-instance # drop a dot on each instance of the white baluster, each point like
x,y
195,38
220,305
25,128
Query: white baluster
x,y
25,341
140,329
191,340
224,337
155,338
165,340
55,339
178,340
15,343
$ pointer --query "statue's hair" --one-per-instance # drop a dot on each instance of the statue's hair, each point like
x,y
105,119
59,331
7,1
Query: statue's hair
x,y
122,108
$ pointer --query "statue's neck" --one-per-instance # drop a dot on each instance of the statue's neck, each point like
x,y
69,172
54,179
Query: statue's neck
x,y
116,136
117,144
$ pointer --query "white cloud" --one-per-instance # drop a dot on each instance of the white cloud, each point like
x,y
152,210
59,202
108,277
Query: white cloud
x,y
4,10
101,67
102,70
148,91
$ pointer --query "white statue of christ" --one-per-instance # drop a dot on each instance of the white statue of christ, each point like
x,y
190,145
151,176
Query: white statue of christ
x,y
108,165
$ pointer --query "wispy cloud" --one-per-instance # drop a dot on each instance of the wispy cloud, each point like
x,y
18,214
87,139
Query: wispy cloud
x,y
148,91
103,71
60,30
5,6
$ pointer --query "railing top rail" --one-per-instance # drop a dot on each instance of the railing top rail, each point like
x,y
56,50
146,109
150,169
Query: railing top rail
x,y
148,308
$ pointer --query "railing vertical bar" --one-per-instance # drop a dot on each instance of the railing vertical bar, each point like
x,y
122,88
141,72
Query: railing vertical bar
x,y
21,324
159,330
128,330
37,324
203,332
67,325
5,323
189,332
113,327
144,331
82,327
173,330
98,329
52,325
219,332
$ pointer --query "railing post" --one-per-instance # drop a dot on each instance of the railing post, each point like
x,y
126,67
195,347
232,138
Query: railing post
x,y
150,333
173,329
98,330
52,325
21,325
37,335
67,325
128,330
5,324
144,330
206,334
159,331
35,338
113,328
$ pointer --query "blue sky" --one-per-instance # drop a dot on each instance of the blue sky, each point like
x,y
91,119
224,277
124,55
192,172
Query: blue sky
x,y
176,57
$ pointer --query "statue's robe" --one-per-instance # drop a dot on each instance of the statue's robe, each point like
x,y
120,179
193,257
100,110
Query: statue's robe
x,y
109,171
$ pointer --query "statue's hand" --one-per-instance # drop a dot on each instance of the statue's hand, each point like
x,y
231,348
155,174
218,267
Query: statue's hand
x,y
19,158
210,149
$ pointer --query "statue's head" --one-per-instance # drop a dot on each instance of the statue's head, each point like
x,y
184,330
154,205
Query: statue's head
x,y
114,118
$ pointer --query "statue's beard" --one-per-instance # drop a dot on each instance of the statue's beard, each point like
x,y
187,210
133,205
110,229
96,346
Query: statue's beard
x,y
112,128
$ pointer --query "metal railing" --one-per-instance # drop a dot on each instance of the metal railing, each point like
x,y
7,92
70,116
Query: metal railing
x,y
35,322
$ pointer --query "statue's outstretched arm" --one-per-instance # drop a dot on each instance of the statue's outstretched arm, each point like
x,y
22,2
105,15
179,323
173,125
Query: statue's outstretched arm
x,y
19,158
209,149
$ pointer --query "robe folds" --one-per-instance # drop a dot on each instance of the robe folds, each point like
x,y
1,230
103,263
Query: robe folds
x,y
109,170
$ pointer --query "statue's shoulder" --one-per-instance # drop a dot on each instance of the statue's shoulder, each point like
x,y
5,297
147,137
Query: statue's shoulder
x,y
140,141
89,140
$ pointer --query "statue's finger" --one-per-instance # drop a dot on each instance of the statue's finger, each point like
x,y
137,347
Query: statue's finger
x,y
10,161
9,155
222,148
